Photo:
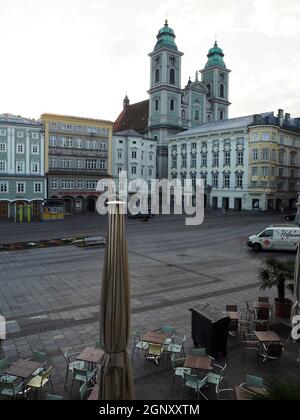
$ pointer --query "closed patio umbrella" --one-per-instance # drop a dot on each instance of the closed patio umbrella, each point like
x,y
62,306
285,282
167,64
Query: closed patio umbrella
x,y
296,307
115,375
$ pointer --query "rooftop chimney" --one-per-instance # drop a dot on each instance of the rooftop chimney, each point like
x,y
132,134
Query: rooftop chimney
x,y
280,116
287,118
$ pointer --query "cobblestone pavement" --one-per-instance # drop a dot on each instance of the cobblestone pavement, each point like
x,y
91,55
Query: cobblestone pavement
x,y
50,297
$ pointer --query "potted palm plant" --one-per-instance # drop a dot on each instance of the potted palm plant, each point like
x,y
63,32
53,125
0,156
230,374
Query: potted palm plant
x,y
278,273
279,390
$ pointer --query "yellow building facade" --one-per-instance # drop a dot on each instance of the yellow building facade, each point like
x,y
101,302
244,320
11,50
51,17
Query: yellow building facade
x,y
78,154
274,163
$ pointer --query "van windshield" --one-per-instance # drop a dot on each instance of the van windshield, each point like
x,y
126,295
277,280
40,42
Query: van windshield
x,y
269,233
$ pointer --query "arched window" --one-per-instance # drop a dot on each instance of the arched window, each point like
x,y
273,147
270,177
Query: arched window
x,y
209,90
183,114
197,115
222,90
172,105
208,117
172,77
156,75
156,105
221,115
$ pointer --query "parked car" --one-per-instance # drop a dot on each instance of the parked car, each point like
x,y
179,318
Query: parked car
x,y
290,217
140,215
276,238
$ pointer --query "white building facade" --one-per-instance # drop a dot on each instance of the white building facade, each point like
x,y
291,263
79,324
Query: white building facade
x,y
218,154
134,154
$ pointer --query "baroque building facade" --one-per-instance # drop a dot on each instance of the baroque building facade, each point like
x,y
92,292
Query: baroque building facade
x,y
247,163
172,108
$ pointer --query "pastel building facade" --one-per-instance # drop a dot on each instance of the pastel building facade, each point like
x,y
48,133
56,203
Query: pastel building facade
x,y
22,166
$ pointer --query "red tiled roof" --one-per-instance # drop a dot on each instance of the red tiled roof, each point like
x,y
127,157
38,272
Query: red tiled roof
x,y
134,117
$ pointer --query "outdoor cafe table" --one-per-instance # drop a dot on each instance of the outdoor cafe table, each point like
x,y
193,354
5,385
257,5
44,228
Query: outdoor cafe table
x,y
22,369
155,337
267,337
91,355
198,362
245,393
94,394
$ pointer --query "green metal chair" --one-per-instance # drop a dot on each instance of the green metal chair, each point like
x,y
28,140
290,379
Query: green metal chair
x,y
199,352
39,357
254,381
138,345
11,389
195,383
71,365
84,391
51,397
4,365
178,367
83,376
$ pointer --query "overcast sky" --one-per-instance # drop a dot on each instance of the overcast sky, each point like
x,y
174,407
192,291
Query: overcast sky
x,y
80,57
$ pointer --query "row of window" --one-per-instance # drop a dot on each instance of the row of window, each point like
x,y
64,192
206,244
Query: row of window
x,y
240,141
78,164
134,155
20,148
215,178
71,143
70,184
271,171
204,160
272,136
20,134
104,132
21,187
20,167
134,171
267,154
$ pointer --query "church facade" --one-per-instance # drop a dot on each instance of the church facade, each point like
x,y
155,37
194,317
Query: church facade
x,y
172,108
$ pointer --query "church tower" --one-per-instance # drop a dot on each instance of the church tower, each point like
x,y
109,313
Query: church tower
x,y
165,94
216,77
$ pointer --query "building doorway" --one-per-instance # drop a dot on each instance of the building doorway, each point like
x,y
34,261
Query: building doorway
x,y
79,205
238,204
36,208
91,205
68,205
215,202
225,203
3,210
270,205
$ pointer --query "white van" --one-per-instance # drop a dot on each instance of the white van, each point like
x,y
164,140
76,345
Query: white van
x,y
276,237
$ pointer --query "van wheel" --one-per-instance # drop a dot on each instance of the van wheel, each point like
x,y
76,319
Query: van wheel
x,y
257,247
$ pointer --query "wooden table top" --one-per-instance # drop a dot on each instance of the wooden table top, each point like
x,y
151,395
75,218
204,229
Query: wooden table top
x,y
262,305
234,316
91,355
155,337
267,337
94,394
22,369
198,362
245,393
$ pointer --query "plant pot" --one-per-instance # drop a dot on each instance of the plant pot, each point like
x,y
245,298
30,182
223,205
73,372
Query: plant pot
x,y
283,309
